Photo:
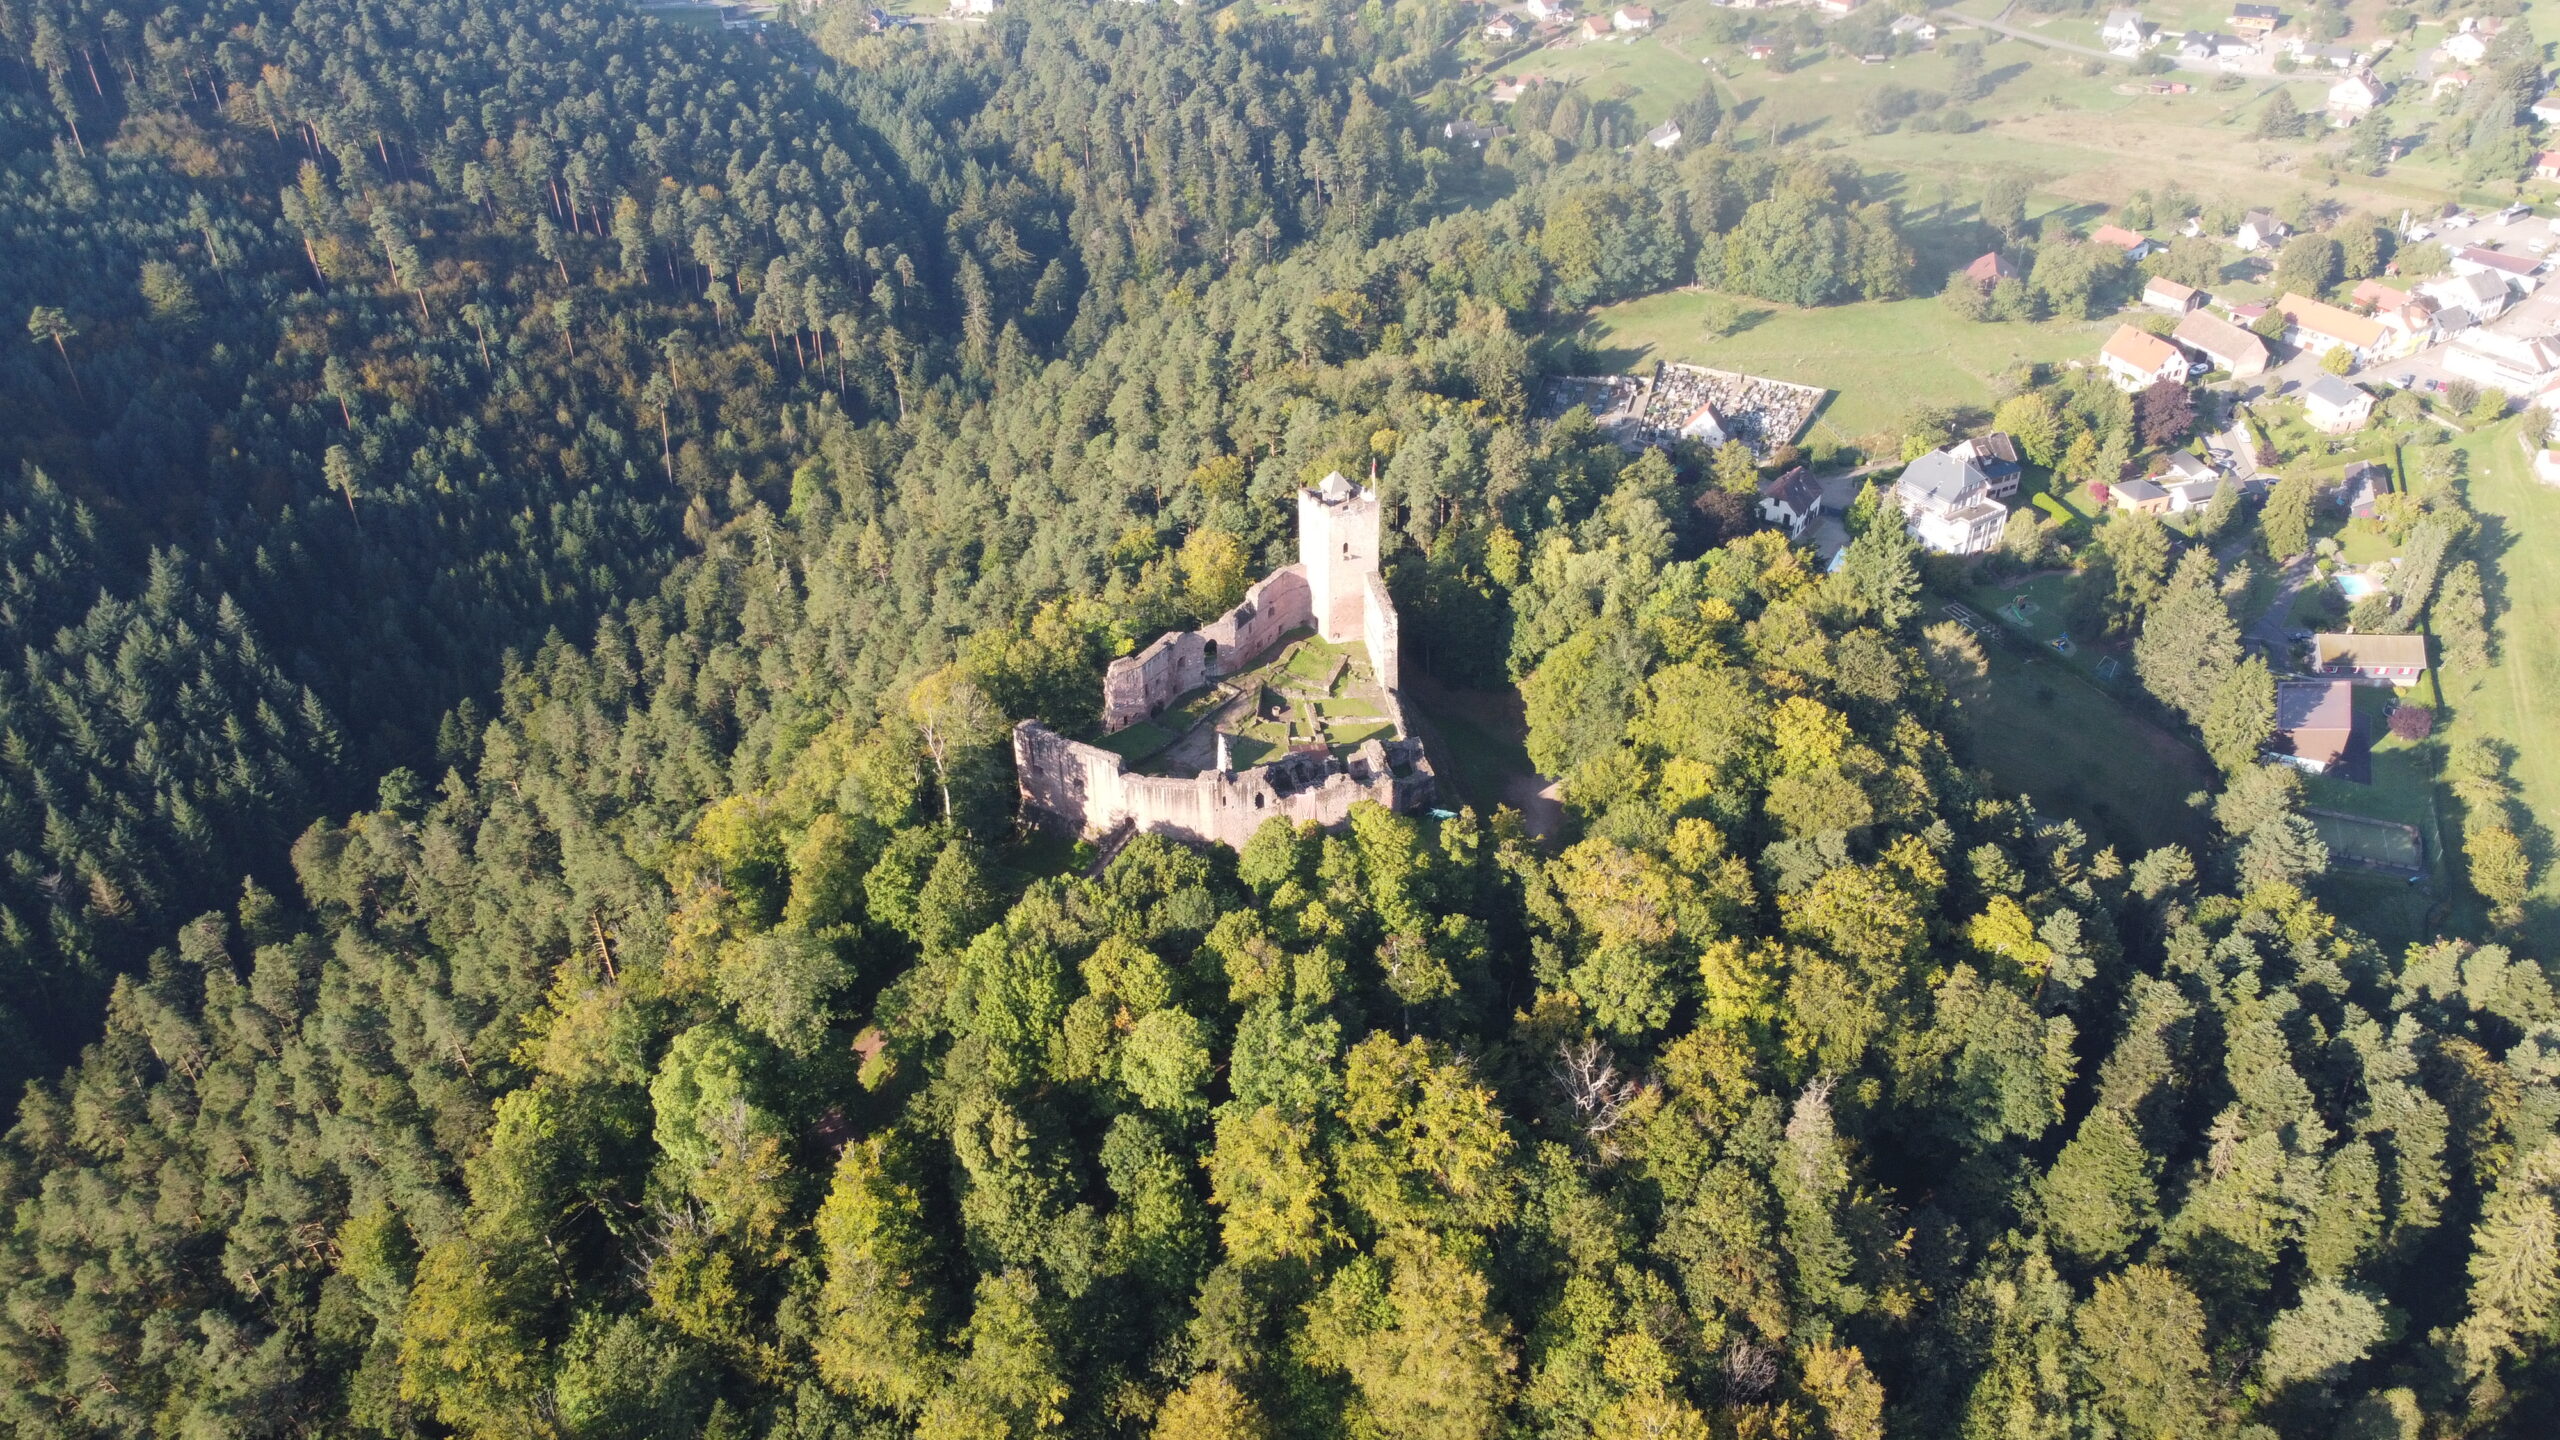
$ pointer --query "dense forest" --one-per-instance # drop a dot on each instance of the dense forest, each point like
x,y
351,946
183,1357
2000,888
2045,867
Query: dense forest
x,y
526,528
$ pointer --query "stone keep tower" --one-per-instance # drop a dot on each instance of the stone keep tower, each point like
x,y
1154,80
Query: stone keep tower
x,y
1338,548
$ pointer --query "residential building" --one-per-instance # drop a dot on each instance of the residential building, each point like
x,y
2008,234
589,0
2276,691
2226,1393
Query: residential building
x,y
2143,495
1836,8
2166,295
2182,467
2354,96
1919,28
2138,359
1947,503
2124,31
2481,293
2315,720
1663,136
2519,365
2133,246
2448,82
2320,327
1633,18
1594,27
2468,48
1502,27
2400,659
1995,454
2230,348
2546,166
2334,407
2259,229
2547,109
1990,269
1548,10
2374,296
2362,488
2256,20
2518,271
1473,133
1791,501
2546,466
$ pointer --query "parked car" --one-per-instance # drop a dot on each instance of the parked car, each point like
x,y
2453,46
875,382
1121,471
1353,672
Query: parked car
x,y
2418,233
2403,380
2434,385
2457,222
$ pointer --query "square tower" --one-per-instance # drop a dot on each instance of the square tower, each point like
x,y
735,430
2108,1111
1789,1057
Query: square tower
x,y
1338,548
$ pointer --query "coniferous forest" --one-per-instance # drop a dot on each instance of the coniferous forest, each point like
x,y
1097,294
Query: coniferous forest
x,y
527,526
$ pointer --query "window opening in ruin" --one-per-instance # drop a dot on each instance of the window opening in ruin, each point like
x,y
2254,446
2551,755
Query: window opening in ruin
x,y
1208,649
1257,802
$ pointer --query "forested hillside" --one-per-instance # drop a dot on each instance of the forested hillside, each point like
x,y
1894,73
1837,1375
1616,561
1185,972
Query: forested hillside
x,y
605,487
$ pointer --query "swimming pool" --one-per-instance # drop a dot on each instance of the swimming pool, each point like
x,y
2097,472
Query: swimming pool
x,y
2357,587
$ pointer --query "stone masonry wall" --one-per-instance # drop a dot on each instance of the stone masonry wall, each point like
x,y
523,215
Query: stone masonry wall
x,y
1138,687
1083,789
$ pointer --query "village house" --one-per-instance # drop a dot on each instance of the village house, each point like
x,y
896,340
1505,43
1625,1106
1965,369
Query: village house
x,y
1473,133
1548,10
2144,496
1836,8
2170,297
2334,407
2258,230
2518,271
1919,29
2354,97
1990,269
2125,32
2546,466
2256,20
2546,165
1760,50
2320,327
2133,246
2547,109
1791,501
1947,503
1502,27
2480,296
1663,136
2522,366
2315,720
1995,454
1594,27
2190,481
2448,82
2138,359
2363,486
2467,48
2399,659
1631,18
2232,349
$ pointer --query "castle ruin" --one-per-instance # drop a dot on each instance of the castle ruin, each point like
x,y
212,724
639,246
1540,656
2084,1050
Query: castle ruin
x,y
1279,679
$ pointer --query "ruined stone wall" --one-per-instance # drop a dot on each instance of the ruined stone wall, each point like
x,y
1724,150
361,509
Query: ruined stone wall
x,y
1382,634
1084,790
1138,687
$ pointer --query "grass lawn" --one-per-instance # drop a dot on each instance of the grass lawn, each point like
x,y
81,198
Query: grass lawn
x,y
1476,743
1880,359
1138,741
2044,731
2518,699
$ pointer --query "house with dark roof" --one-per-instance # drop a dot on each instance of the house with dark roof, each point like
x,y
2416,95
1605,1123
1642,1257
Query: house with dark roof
x,y
1791,501
2334,407
1990,269
1947,503
2315,722
2363,487
1995,454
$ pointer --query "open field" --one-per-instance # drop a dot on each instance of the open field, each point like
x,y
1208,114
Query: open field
x,y
2374,842
1880,359
2518,699
2049,734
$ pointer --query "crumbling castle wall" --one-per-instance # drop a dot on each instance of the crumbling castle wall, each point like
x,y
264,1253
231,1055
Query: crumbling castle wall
x,y
1085,790
1139,687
